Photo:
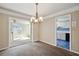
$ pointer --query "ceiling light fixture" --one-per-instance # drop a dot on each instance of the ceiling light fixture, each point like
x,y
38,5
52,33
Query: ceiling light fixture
x,y
36,19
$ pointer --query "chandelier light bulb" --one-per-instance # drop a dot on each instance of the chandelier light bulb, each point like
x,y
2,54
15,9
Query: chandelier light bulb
x,y
40,19
36,20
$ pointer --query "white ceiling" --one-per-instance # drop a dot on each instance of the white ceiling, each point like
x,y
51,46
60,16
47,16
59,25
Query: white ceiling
x,y
44,8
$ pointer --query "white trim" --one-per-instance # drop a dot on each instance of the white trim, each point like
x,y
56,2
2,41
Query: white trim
x,y
69,32
60,47
55,32
11,12
46,42
10,34
30,31
4,48
76,8
14,13
74,51
67,49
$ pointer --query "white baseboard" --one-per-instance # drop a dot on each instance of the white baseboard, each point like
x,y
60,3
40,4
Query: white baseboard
x,y
46,42
74,51
49,44
4,48
61,48
68,50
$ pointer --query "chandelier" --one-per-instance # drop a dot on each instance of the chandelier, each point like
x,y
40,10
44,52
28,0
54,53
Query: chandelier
x,y
36,19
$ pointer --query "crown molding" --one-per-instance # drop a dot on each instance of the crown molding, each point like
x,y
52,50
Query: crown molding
x,y
67,11
13,13
19,14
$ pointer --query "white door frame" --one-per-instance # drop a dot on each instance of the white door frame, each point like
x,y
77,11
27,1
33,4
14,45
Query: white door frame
x,y
70,43
12,18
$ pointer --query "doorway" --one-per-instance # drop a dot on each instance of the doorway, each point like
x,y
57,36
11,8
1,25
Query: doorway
x,y
63,32
20,32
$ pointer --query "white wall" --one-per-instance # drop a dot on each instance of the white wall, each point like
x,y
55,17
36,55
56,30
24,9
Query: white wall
x,y
44,32
75,31
47,31
4,32
35,29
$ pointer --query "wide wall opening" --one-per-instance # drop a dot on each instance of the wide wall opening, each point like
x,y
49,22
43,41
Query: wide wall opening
x,y
19,32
